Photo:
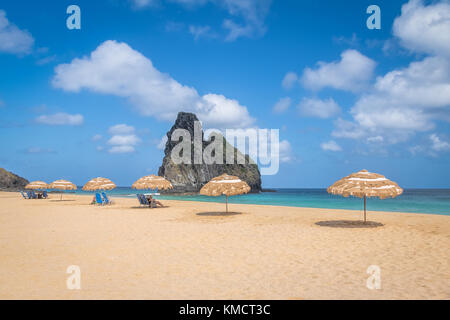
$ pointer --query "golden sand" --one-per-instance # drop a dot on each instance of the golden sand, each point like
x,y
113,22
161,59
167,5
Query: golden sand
x,y
266,252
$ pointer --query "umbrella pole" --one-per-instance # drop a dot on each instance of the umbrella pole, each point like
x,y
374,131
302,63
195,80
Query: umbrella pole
x,y
364,208
61,196
226,200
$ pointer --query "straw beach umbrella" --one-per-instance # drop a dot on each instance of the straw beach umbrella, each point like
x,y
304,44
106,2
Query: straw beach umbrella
x,y
365,184
152,182
225,185
62,185
99,184
36,185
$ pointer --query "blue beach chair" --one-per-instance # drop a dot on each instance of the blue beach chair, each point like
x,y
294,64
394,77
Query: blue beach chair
x,y
106,200
140,199
23,195
98,199
45,194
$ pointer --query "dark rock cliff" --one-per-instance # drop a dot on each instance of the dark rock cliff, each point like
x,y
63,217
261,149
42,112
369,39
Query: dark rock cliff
x,y
11,182
188,178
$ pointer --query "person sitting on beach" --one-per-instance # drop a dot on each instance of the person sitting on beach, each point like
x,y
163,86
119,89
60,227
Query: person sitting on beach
x,y
154,201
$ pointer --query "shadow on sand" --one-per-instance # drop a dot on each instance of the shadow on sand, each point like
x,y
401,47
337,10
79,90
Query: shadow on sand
x,y
349,224
218,214
148,208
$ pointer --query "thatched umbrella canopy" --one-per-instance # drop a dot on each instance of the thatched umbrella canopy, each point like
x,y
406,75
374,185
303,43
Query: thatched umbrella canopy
x,y
99,184
225,185
62,185
152,182
366,184
36,185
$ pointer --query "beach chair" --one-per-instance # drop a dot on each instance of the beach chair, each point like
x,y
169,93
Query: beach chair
x,y
45,194
98,199
23,195
32,194
106,200
141,202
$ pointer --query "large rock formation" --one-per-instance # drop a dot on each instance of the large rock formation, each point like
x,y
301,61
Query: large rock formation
x,y
11,182
187,178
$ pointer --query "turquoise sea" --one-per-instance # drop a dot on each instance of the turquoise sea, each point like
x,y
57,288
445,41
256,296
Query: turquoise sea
x,y
435,201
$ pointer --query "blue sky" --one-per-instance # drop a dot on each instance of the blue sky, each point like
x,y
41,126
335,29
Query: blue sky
x,y
77,104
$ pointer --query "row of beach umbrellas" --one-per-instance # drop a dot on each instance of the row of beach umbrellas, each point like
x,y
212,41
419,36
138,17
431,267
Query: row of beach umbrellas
x,y
147,182
362,184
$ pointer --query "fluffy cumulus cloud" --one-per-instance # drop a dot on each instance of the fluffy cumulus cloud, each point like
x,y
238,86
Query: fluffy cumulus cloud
x,y
216,110
352,73
61,119
123,139
282,105
12,39
115,68
403,102
331,146
423,28
318,108
408,100
290,80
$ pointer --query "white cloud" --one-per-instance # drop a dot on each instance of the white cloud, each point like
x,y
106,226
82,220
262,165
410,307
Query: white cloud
x,y
311,107
253,13
12,39
289,80
439,145
375,139
403,101
122,149
282,105
353,73
412,99
424,29
201,31
120,140
38,150
216,111
123,139
115,68
285,151
121,129
97,137
247,16
331,146
139,4
61,119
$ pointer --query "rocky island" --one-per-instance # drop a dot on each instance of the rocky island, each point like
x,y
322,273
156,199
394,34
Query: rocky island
x,y
189,178
10,181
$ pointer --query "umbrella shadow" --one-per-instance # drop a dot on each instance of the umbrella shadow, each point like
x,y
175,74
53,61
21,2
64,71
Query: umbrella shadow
x,y
218,214
142,207
349,224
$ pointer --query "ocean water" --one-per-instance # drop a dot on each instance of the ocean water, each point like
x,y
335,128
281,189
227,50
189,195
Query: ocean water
x,y
436,201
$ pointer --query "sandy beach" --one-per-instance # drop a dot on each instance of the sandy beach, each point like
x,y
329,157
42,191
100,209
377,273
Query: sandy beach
x,y
267,252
